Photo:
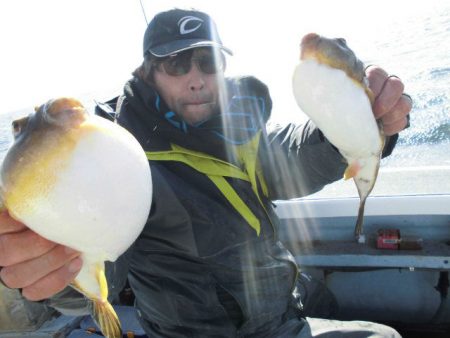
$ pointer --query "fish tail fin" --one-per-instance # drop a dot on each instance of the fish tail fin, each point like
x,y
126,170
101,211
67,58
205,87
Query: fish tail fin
x,y
360,219
103,312
106,318
352,170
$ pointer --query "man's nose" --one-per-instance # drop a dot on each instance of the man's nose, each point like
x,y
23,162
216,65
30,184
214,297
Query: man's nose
x,y
196,77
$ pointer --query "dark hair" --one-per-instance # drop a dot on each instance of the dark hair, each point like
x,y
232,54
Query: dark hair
x,y
147,69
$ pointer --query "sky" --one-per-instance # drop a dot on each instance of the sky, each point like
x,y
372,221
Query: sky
x,y
88,48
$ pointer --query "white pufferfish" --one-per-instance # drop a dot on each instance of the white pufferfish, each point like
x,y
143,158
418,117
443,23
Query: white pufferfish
x,y
81,181
331,88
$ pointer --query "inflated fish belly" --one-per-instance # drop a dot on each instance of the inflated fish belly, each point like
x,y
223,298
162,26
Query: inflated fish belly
x,y
83,182
330,87
344,113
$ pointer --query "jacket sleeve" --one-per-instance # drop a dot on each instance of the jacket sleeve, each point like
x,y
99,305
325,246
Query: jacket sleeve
x,y
297,160
72,303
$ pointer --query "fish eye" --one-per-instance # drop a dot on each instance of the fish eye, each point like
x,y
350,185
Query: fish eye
x,y
342,41
18,126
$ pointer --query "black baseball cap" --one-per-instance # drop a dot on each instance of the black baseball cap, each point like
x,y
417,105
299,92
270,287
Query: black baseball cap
x,y
176,30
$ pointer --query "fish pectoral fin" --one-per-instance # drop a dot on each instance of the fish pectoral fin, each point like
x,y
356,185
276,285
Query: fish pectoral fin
x,y
106,318
352,170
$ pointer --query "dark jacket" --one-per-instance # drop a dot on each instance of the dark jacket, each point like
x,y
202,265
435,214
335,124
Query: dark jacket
x,y
201,268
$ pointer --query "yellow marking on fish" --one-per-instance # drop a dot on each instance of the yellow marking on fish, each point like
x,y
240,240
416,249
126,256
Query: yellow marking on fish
x,y
352,170
102,283
36,173
314,54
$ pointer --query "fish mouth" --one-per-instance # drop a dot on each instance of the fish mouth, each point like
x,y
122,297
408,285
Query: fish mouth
x,y
308,45
310,38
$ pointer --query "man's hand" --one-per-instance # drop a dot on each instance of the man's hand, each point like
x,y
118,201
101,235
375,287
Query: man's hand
x,y
391,105
30,262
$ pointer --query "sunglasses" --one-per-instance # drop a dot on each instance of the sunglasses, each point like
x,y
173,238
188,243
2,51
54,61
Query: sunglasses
x,y
181,64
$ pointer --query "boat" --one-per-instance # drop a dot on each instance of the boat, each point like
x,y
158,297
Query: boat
x,y
402,286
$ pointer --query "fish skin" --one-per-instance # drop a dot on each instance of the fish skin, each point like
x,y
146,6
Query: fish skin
x,y
47,146
331,88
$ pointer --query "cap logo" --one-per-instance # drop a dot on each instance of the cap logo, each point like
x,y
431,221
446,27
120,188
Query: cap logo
x,y
182,23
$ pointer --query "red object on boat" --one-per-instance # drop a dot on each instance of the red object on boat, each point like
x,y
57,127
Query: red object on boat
x,y
388,239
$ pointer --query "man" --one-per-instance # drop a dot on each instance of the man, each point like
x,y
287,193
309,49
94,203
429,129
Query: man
x,y
208,263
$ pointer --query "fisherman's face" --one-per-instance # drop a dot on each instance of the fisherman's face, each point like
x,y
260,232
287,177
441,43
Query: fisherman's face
x,y
189,83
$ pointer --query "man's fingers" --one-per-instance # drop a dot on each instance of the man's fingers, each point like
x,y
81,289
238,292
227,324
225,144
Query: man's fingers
x,y
8,224
27,273
54,282
389,96
39,267
397,119
395,127
376,76
22,246
399,111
